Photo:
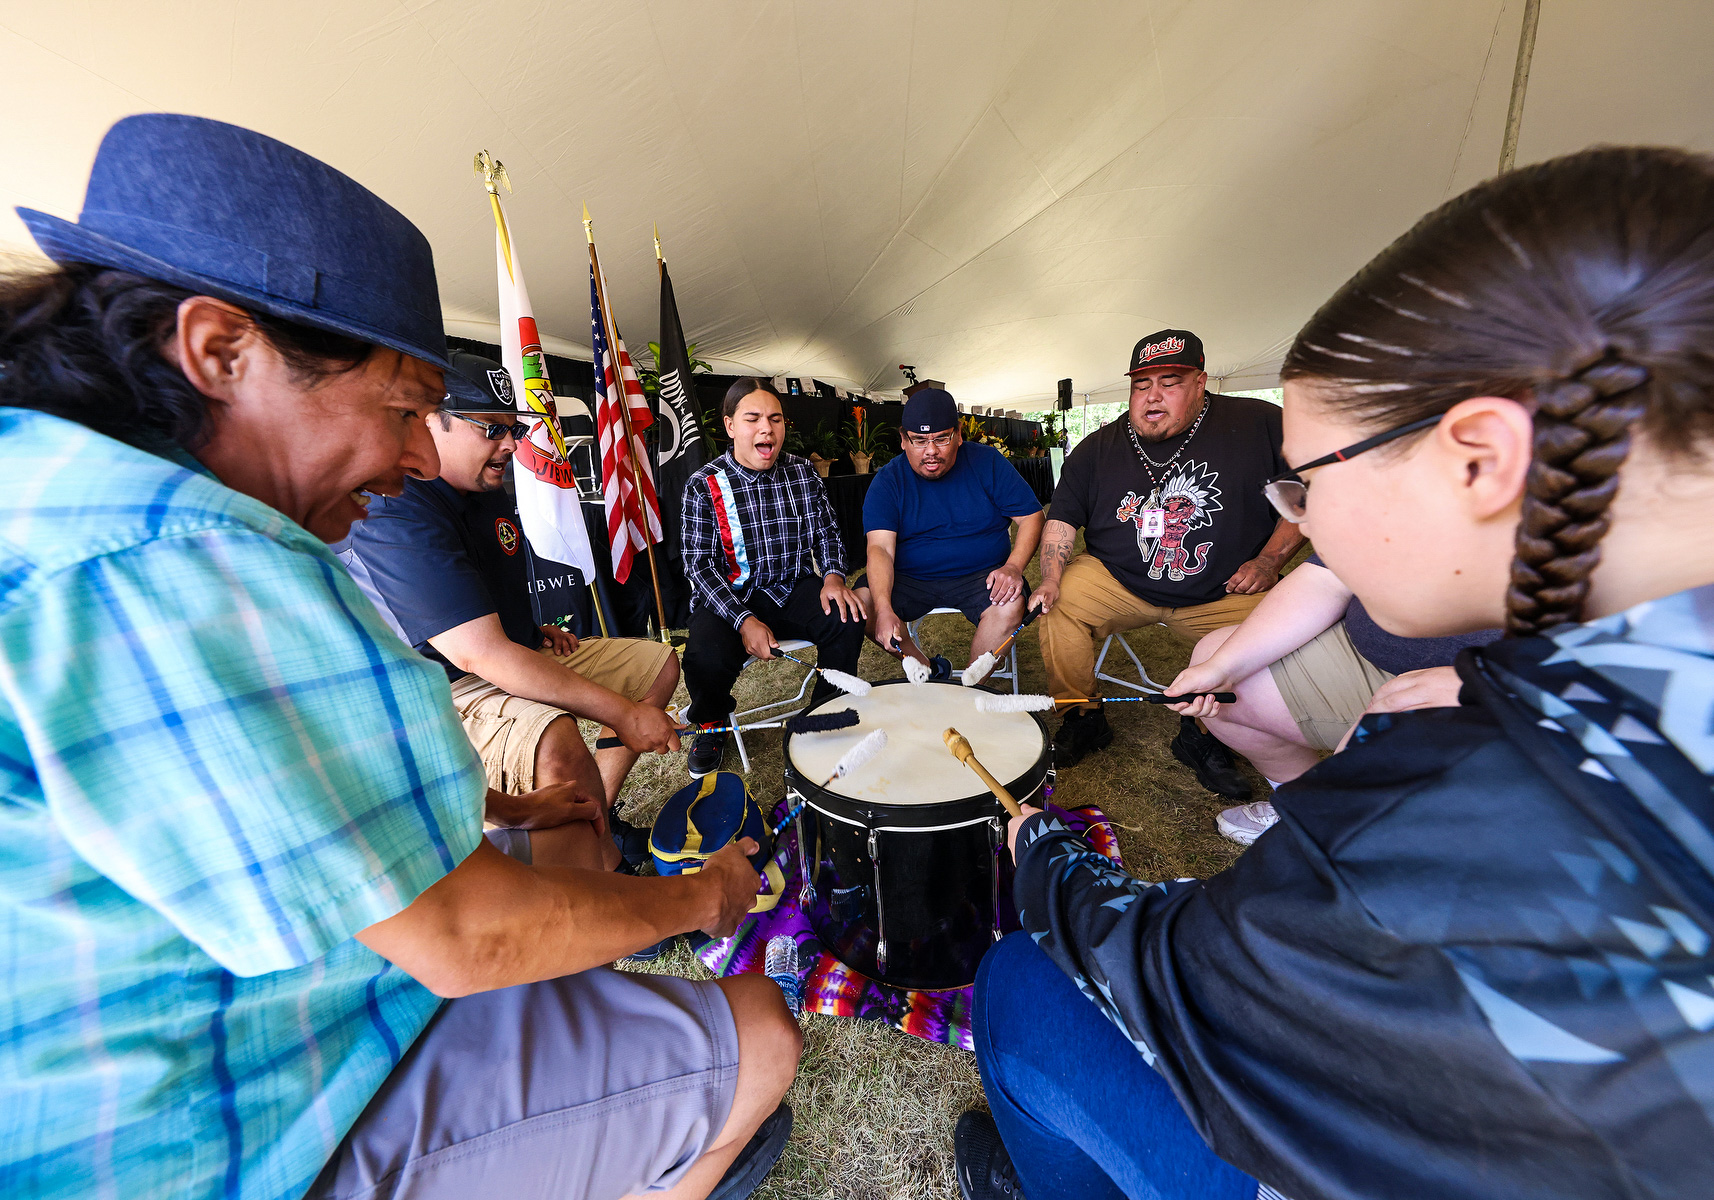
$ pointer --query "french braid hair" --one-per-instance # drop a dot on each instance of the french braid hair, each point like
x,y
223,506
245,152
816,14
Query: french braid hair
x,y
1583,286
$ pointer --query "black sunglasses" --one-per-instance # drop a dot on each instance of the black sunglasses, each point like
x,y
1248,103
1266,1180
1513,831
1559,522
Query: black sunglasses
x,y
494,430
1289,494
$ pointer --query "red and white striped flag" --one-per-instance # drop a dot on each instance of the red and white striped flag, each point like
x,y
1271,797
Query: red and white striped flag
x,y
627,481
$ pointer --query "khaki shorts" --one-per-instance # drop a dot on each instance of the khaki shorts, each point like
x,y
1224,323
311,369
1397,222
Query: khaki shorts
x,y
1326,686
506,729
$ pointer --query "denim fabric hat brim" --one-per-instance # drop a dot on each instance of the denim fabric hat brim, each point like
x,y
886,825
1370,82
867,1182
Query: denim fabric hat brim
x,y
223,210
68,242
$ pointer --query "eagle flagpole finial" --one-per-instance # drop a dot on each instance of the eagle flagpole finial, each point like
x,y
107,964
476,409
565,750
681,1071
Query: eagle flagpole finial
x,y
492,171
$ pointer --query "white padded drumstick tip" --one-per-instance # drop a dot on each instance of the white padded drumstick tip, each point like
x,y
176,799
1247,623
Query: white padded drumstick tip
x,y
859,754
844,682
1024,703
977,671
916,672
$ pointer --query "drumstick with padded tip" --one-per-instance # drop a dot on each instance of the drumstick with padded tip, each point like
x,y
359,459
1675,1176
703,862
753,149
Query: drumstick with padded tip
x,y
839,679
961,750
1029,703
984,662
802,723
853,758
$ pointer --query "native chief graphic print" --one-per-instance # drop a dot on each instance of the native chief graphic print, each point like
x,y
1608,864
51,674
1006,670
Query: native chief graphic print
x,y
1188,500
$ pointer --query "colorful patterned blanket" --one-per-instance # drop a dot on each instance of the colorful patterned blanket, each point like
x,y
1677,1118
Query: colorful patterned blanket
x,y
834,989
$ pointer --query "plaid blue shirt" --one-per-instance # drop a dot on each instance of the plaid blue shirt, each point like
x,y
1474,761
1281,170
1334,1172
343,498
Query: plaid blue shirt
x,y
746,531
216,765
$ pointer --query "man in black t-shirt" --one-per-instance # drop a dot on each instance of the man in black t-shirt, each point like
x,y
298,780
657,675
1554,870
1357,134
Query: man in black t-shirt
x,y
1176,532
447,572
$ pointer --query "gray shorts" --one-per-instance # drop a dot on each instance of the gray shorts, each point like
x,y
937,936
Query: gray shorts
x,y
594,1085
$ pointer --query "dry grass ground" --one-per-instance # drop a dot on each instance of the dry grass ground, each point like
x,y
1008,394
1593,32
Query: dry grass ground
x,y
874,1108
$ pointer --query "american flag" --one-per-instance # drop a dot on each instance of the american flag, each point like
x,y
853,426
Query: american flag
x,y
623,488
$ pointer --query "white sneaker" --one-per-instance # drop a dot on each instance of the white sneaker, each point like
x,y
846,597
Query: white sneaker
x,y
1247,822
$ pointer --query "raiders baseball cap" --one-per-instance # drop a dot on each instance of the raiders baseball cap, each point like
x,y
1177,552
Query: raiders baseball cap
x,y
478,385
1168,348
929,411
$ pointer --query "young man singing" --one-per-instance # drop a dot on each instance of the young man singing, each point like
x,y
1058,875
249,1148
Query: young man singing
x,y
761,548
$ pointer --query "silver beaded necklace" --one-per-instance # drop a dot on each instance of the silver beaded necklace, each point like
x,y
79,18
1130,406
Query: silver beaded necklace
x,y
1149,464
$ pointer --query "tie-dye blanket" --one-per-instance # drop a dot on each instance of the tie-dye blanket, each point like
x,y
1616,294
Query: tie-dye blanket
x,y
834,989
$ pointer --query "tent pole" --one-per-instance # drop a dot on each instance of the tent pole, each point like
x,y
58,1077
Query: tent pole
x,y
1520,83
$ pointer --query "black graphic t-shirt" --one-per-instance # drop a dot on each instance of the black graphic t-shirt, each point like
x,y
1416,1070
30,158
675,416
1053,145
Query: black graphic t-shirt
x,y
1213,519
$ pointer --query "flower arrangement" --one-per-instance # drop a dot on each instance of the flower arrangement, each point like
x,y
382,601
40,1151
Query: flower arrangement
x,y
862,438
973,430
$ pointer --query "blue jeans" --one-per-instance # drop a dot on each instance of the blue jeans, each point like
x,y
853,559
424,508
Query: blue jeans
x,y
1082,1115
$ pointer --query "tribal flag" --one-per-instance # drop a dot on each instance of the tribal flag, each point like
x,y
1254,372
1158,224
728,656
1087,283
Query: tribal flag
x,y
627,483
681,447
548,504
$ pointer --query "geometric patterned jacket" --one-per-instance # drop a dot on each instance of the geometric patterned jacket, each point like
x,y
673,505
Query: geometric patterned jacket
x,y
1473,959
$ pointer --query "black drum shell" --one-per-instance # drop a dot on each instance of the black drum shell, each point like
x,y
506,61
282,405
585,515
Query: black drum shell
x,y
939,880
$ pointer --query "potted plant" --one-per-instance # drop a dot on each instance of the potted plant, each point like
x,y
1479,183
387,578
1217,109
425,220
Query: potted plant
x,y
650,376
823,446
860,439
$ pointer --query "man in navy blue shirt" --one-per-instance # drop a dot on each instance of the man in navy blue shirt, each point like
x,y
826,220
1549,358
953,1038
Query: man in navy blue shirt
x,y
938,521
447,572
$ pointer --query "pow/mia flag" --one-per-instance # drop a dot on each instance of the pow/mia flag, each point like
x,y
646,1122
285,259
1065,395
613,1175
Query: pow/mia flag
x,y
680,450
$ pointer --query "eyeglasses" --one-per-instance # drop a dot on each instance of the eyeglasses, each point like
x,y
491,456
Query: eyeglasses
x,y
1289,494
493,430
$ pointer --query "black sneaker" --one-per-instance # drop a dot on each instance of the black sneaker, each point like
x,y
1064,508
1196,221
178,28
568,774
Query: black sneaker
x,y
980,1161
1082,733
633,842
940,667
706,753
1208,757
757,1157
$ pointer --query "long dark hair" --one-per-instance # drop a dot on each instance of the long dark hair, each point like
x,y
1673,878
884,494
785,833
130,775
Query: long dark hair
x,y
84,343
1583,286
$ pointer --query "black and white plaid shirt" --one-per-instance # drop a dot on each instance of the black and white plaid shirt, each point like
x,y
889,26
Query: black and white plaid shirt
x,y
746,531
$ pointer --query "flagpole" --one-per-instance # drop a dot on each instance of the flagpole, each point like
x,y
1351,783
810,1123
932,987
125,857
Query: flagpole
x,y
611,330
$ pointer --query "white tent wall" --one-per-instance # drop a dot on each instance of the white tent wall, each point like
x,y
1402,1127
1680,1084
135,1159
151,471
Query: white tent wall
x,y
1002,194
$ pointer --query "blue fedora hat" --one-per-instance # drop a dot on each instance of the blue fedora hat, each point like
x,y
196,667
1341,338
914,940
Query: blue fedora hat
x,y
223,210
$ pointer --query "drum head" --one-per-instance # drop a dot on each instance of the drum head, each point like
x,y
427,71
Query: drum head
x,y
916,767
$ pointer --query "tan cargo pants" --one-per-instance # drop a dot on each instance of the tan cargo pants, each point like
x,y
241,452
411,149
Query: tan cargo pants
x,y
1092,604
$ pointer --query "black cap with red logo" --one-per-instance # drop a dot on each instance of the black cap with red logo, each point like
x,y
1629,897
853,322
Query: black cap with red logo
x,y
1168,348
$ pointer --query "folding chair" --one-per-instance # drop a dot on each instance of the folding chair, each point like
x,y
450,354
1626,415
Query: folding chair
x,y
1007,670
778,708
1148,685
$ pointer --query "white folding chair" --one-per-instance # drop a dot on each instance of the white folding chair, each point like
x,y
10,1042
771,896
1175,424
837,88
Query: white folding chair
x,y
1148,685
1007,670
775,709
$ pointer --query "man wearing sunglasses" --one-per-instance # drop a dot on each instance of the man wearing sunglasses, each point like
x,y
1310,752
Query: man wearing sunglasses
x,y
449,575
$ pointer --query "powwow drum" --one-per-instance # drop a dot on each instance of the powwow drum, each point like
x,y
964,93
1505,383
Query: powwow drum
x,y
901,859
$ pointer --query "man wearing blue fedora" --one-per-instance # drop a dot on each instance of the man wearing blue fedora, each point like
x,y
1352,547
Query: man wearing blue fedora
x,y
241,854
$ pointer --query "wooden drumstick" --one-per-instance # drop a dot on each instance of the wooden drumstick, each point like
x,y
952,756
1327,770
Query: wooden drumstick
x,y
960,747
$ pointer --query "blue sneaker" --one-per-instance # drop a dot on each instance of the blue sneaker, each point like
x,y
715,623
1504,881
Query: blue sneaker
x,y
939,668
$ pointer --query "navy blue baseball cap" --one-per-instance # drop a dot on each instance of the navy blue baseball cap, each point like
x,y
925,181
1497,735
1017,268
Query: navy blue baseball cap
x,y
929,411
232,213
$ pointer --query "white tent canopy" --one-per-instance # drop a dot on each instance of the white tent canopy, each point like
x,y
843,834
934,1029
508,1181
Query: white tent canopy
x,y
999,193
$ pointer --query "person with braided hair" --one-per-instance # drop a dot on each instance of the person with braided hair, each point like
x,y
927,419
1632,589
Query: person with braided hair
x,y
1474,958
